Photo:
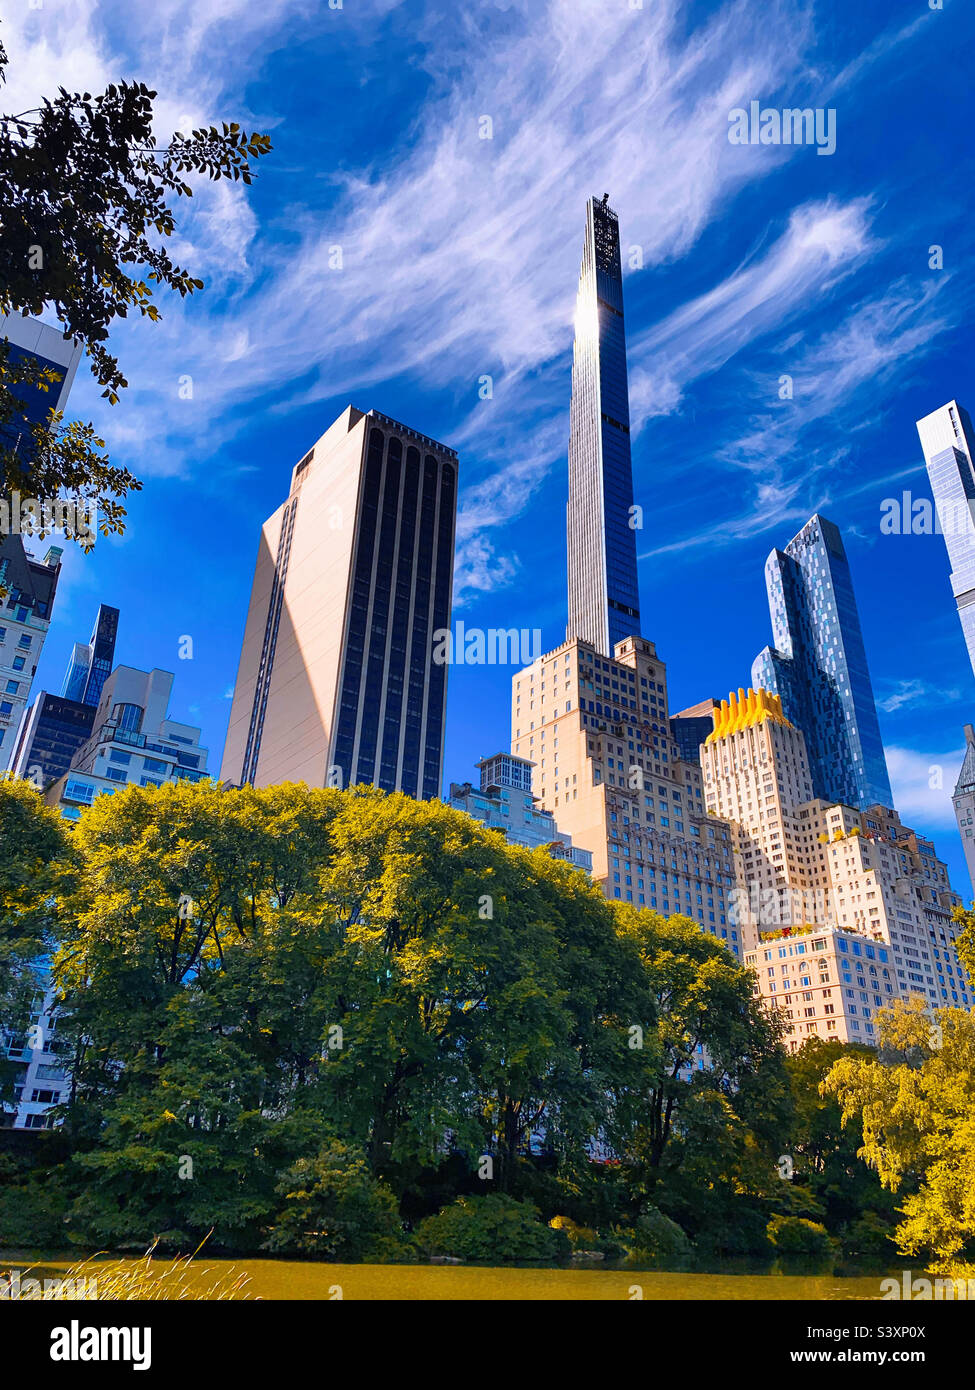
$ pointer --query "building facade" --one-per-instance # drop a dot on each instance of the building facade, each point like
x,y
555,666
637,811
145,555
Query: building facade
x,y
842,910
57,726
948,441
963,801
134,742
504,802
608,769
337,682
690,727
27,592
27,587
604,600
30,340
817,665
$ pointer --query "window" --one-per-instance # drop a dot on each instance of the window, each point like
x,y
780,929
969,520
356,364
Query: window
x,y
79,791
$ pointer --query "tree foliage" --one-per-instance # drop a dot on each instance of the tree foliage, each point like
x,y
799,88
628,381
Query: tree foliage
x,y
86,215
916,1105
286,1004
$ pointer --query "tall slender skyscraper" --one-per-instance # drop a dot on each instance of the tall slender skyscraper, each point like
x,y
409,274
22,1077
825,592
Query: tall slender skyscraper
x,y
337,682
818,666
948,442
604,598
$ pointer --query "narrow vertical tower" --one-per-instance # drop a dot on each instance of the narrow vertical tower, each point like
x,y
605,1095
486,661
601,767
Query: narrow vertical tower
x,y
948,441
604,600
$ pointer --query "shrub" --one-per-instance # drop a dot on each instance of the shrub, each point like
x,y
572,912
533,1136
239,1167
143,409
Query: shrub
x,y
580,1237
869,1241
493,1229
335,1208
32,1216
794,1235
656,1240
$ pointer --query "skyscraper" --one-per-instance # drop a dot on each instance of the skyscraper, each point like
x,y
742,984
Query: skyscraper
x,y
29,339
604,598
28,588
28,585
337,682
91,665
818,666
948,441
591,716
57,726
964,803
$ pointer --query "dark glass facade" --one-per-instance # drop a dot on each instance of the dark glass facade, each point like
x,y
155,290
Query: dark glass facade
x,y
87,674
604,599
391,704
35,404
58,728
818,665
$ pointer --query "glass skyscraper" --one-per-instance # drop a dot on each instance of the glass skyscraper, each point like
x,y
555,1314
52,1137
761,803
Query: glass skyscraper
x,y
91,665
948,442
604,599
818,666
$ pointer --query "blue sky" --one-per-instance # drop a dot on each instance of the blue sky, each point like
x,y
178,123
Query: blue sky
x,y
459,260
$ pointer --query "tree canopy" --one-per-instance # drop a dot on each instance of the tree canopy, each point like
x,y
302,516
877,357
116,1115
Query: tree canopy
x,y
87,200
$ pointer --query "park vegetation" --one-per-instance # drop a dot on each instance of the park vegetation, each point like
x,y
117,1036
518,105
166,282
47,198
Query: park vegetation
x,y
351,1026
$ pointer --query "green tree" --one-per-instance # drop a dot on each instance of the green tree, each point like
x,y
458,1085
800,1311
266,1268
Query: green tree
x,y
333,1206
86,211
916,1104
34,852
823,1155
494,1229
704,1027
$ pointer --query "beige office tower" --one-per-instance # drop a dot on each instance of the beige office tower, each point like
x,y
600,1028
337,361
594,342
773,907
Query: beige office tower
x,y
606,766
337,682
841,910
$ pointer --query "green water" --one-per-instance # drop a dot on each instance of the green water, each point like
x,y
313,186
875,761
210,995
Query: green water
x,y
295,1279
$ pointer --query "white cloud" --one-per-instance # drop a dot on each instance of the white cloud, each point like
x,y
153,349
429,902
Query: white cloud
x,y
459,254
922,784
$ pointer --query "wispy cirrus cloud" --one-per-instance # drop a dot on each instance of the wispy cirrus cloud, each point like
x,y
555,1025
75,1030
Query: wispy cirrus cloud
x,y
457,255
906,694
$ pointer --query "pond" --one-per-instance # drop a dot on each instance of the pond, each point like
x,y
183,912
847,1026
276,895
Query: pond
x,y
308,1280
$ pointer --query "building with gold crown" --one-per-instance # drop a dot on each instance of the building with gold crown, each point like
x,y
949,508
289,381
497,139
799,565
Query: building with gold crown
x,y
840,910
